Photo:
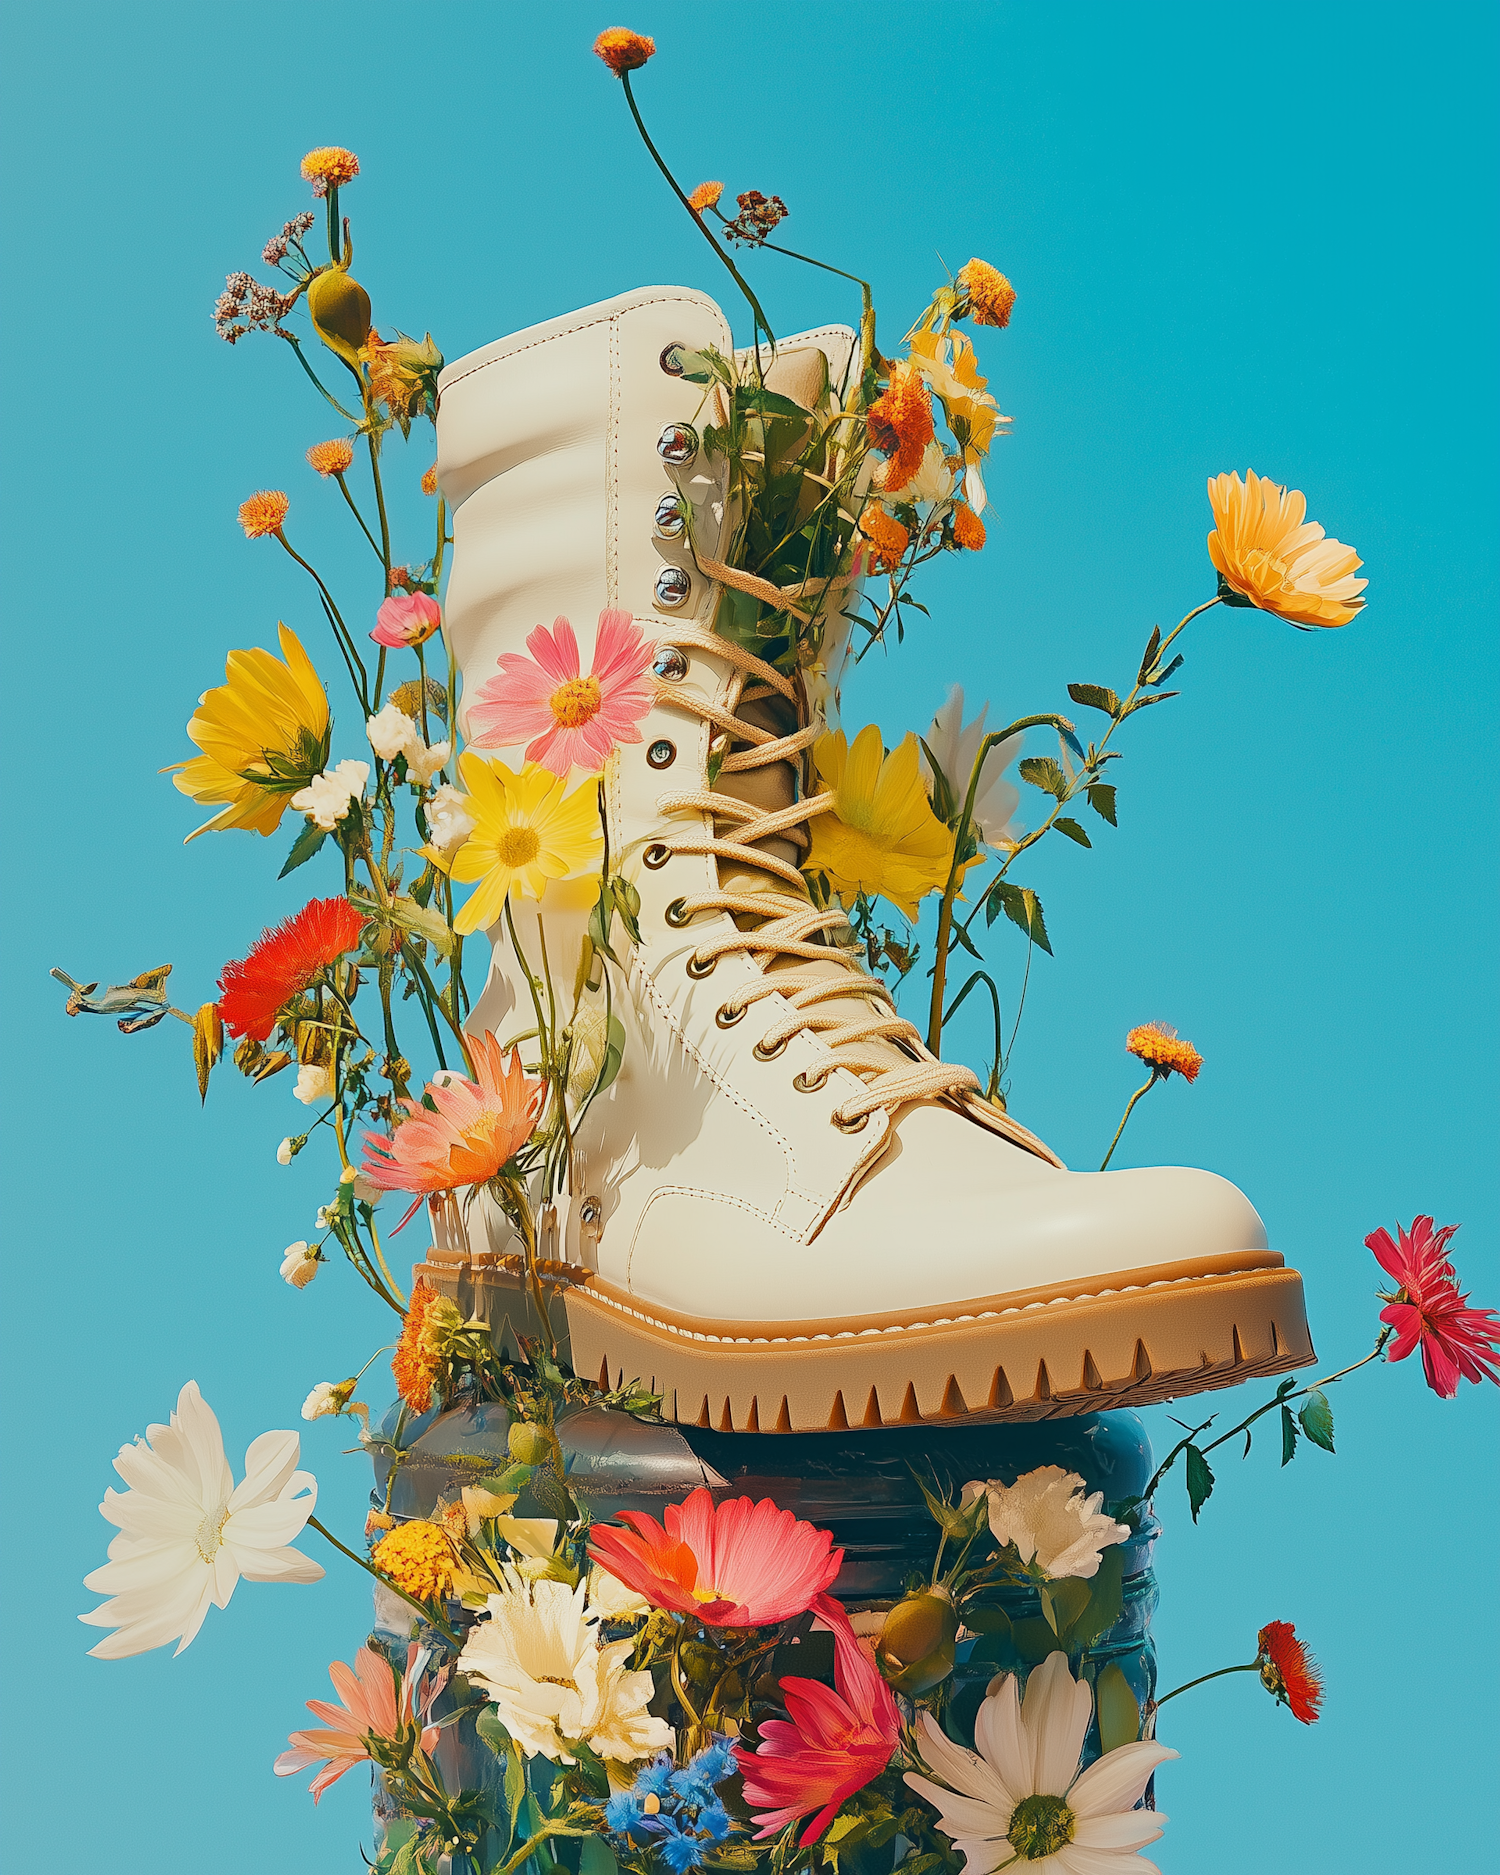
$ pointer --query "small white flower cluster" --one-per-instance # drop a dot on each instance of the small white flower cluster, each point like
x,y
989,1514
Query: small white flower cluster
x,y
327,797
314,1083
392,732
449,821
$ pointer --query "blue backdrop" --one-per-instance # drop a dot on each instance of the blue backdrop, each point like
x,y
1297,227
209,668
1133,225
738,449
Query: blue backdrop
x,y
1238,238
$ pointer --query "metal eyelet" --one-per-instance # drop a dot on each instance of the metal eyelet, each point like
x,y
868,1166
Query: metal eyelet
x,y
810,1084
656,856
671,359
672,588
670,517
675,914
590,1211
727,1015
669,664
661,754
677,444
701,967
762,1053
850,1126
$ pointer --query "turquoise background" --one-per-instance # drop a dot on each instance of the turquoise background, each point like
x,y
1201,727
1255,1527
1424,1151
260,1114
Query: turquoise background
x,y
1239,237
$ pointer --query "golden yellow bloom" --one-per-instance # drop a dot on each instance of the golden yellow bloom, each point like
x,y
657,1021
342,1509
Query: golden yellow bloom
x,y
882,836
887,537
331,458
417,1557
429,481
949,366
900,424
704,196
968,529
329,167
264,735
1270,555
339,308
991,295
264,513
622,50
527,830
1163,1049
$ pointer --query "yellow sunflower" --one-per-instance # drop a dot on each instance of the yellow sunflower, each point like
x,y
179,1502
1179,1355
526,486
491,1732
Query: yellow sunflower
x,y
527,830
264,735
1270,555
951,370
882,837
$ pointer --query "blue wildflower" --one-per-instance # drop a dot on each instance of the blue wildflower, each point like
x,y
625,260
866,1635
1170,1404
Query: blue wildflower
x,y
713,1822
655,1779
679,1850
623,1812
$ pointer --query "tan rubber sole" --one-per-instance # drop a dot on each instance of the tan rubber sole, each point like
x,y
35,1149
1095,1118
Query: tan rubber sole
x,y
1129,1339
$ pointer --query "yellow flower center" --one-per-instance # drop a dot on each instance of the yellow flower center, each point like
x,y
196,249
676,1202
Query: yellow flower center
x,y
209,1538
576,702
709,1595
552,1679
517,847
1040,1826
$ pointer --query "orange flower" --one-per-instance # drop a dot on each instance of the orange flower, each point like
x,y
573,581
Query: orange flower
x,y
418,1558
1163,1050
887,537
968,529
329,167
991,295
622,50
900,423
1288,1670
331,458
416,1363
706,195
1269,554
429,481
264,513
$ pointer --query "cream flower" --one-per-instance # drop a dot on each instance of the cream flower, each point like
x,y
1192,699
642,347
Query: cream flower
x,y
300,1264
422,763
325,1401
1045,1514
188,1532
449,821
611,1600
956,748
314,1083
327,797
590,1030
950,369
1020,1802
391,733
537,1655
285,1152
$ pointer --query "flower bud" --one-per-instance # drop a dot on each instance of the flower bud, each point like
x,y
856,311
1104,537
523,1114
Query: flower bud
x,y
530,1445
340,311
915,1649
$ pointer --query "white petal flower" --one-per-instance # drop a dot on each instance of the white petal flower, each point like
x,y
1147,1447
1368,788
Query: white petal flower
x,y
956,748
1020,1800
314,1083
538,1657
326,797
188,1533
391,733
284,1152
422,763
300,1264
323,1402
932,482
590,1029
611,1600
1046,1515
449,821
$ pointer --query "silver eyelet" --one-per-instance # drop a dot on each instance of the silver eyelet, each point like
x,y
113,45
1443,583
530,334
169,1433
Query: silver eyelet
x,y
850,1126
671,359
762,1053
590,1211
672,588
809,1084
675,914
656,856
678,443
670,518
661,754
669,664
701,967
727,1015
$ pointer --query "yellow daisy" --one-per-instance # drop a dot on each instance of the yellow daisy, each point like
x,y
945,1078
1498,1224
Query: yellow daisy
x,y
951,370
1270,555
264,735
527,830
882,836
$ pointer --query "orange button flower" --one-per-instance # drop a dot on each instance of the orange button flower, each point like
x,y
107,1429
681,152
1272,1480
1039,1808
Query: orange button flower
x,y
900,423
622,50
331,458
991,295
329,167
264,513
1164,1050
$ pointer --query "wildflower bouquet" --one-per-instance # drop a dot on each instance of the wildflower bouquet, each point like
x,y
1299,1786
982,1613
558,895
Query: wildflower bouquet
x,y
544,1689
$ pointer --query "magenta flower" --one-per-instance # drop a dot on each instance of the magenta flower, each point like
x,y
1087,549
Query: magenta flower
x,y
565,719
1427,1310
407,618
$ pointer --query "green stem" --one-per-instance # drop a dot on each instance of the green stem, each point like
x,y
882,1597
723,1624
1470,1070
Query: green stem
x,y
1145,1088
530,1847
385,529
353,509
322,388
347,644
1250,1666
333,223
432,1620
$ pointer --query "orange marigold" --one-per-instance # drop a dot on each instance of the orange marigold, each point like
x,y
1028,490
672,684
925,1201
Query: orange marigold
x,y
416,1364
991,295
264,513
900,423
968,529
888,539
331,458
706,195
329,167
1164,1050
622,50
418,1558
1288,1670
429,481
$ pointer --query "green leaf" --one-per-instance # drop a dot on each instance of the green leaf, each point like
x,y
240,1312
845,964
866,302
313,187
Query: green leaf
x,y
614,1052
1095,697
595,1857
1153,645
767,403
1288,1436
980,1619
1072,829
1063,1602
1102,800
1119,1715
1022,906
515,1783
1144,703
1106,1599
1200,1481
1316,1416
944,804
627,902
703,367
1042,772
494,1734
1034,1639
304,846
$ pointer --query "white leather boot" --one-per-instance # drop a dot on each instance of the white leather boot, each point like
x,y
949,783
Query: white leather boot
x,y
792,1216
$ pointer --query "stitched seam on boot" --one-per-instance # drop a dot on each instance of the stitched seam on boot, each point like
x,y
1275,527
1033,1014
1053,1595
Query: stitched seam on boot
x,y
614,394
660,299
710,1197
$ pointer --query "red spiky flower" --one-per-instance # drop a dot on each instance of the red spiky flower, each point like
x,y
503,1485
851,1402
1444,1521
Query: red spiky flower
x,y
283,962
1427,1310
1288,1671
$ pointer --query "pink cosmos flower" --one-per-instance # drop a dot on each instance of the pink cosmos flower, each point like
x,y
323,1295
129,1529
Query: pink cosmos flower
x,y
407,618
1428,1311
371,1705
830,1745
570,720
733,1565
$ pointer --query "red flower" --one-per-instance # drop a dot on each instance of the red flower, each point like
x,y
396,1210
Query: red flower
x,y
283,962
1428,1310
1289,1671
834,1744
733,1565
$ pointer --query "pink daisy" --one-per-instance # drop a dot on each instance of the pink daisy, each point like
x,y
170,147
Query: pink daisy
x,y
375,1706
406,618
565,719
1428,1312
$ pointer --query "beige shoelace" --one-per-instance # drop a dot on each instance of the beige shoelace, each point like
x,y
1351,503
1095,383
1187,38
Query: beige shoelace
x,y
789,929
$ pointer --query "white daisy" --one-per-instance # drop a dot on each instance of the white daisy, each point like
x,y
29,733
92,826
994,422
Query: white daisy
x,y
1048,1518
956,747
188,1532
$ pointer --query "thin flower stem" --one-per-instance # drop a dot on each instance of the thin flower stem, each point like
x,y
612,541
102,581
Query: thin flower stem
x,y
385,529
333,223
1144,1088
1250,1666
433,1621
530,1847
351,650
354,510
318,384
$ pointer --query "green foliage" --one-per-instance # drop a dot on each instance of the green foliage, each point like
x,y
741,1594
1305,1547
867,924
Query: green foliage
x,y
1072,829
1316,1416
306,844
1095,697
1042,772
1200,1480
1119,1715
1102,799
1022,906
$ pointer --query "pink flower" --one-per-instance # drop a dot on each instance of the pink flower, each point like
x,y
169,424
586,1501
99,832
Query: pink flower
x,y
1427,1309
372,1704
833,1744
571,720
733,1565
407,618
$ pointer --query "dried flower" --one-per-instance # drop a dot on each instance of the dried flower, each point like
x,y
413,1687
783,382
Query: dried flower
x,y
968,529
1427,1310
991,295
888,539
331,458
247,306
264,513
759,217
900,423
275,250
417,1557
706,195
622,50
416,1363
1162,1049
329,168
429,481
1288,1670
